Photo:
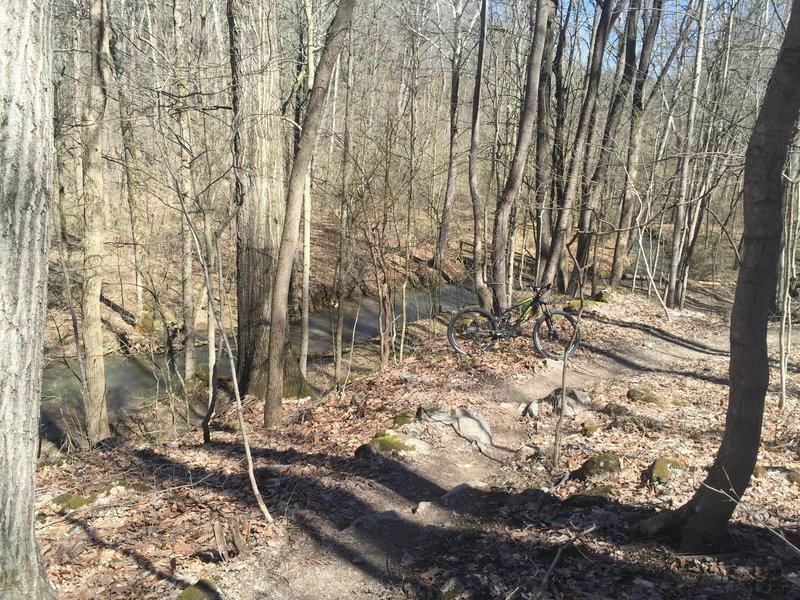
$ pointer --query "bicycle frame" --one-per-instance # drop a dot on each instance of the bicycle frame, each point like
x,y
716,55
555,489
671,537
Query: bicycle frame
x,y
527,309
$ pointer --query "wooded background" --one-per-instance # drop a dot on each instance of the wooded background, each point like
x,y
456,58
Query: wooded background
x,y
600,139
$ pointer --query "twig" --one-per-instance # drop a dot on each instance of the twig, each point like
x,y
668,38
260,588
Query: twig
x,y
211,306
561,549
750,513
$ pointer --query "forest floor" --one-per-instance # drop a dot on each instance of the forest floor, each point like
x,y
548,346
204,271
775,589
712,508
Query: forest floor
x,y
139,519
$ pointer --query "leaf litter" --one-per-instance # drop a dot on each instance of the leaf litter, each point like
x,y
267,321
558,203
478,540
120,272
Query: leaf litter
x,y
160,516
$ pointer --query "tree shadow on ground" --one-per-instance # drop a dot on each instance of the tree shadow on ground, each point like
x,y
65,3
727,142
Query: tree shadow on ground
x,y
658,333
629,363
498,543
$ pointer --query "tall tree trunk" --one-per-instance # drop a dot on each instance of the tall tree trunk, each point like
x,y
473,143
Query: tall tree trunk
x,y
452,167
94,393
335,40
306,292
524,137
700,524
186,190
679,220
26,193
259,175
544,144
481,289
343,258
606,20
131,179
594,189
638,106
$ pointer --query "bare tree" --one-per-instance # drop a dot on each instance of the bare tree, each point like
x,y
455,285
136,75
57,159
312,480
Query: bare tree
x,y
679,224
456,58
608,15
524,138
94,394
26,193
701,523
481,289
258,166
334,42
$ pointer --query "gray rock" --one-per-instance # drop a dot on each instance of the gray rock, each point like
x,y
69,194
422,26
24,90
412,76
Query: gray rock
x,y
663,470
600,466
431,513
527,451
377,522
407,560
644,395
530,499
532,410
434,412
576,401
451,589
553,365
205,589
472,426
612,409
515,407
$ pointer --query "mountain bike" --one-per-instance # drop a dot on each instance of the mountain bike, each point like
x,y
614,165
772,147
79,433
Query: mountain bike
x,y
473,330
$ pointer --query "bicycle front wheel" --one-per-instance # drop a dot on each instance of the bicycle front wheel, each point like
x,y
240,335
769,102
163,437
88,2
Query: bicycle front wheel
x,y
472,331
556,334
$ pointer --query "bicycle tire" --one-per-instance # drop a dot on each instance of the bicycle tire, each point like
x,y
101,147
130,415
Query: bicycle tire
x,y
472,330
553,343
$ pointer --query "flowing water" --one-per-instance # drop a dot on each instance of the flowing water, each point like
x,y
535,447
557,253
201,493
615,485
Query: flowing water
x,y
132,381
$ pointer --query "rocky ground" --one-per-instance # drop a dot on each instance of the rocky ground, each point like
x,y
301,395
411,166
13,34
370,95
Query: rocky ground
x,y
461,499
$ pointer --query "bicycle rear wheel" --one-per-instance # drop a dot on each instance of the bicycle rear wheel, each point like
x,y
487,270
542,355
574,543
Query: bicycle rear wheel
x,y
472,331
557,335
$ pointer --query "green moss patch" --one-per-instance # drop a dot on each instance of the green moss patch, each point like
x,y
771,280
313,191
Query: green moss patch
x,y
663,470
390,440
644,395
600,466
205,589
575,305
74,501
403,418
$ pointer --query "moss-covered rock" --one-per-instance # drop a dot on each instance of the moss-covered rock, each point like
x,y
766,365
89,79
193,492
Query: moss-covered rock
x,y
390,440
759,471
602,296
644,395
601,466
575,401
612,409
589,427
594,496
638,422
205,589
575,305
74,501
794,476
663,470
69,502
403,418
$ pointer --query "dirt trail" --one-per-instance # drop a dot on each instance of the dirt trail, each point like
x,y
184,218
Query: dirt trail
x,y
398,545
482,521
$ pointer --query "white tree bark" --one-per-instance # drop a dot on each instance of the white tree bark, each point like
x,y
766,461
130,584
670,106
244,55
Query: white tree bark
x,y
26,192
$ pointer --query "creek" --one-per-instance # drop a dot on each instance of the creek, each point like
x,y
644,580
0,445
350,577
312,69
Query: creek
x,y
133,381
